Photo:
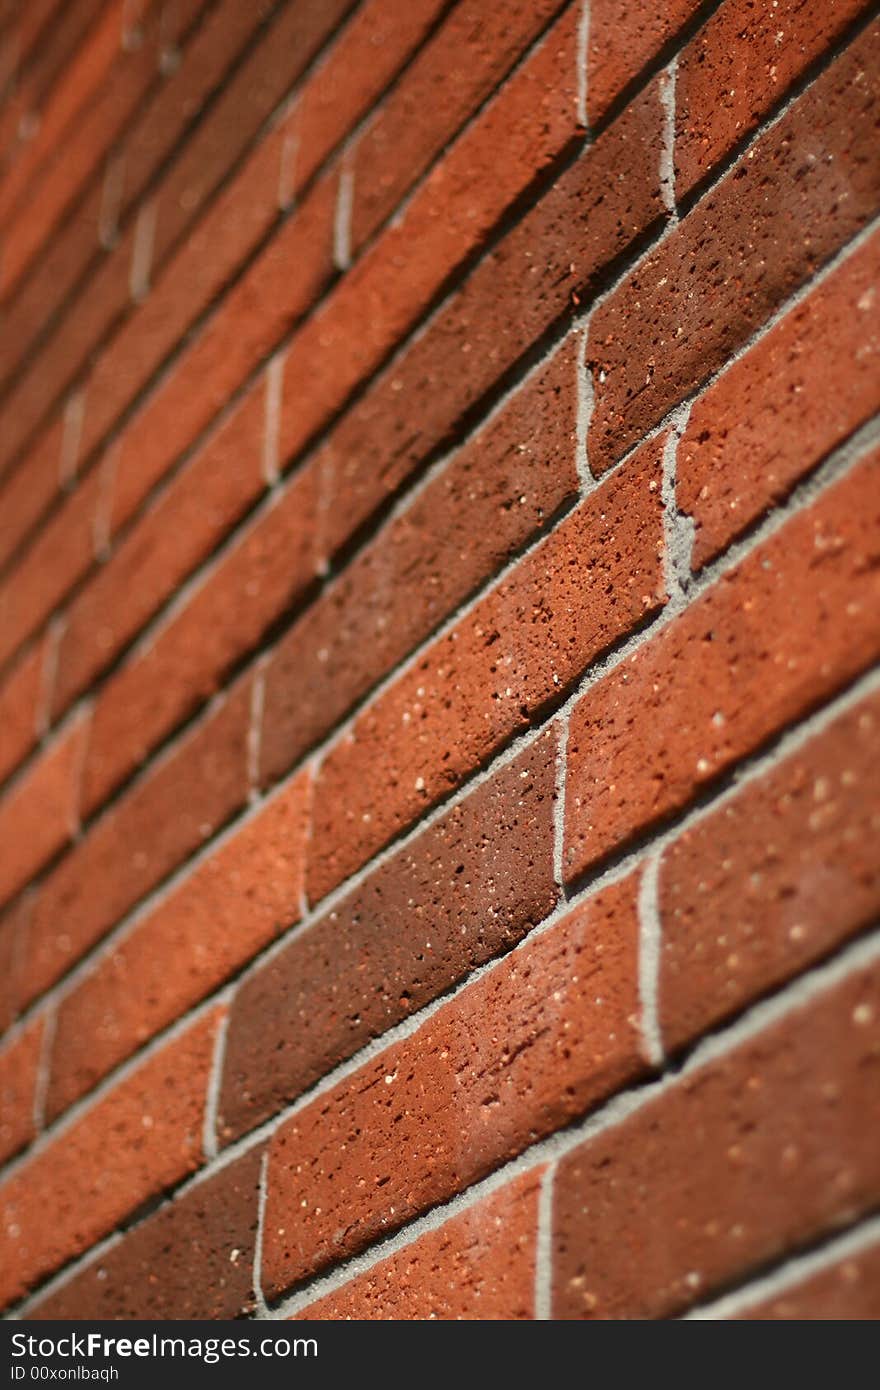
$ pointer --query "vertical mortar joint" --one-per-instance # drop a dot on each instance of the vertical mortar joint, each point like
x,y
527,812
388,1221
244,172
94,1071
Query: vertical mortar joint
x,y
342,218
678,527
667,147
650,945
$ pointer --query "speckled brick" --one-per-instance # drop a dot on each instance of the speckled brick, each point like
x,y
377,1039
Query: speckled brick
x,y
765,645
193,1259
451,216
477,1265
548,263
467,57
773,880
623,37
804,188
521,646
498,491
464,890
739,66
766,1148
536,1041
247,892
780,409
847,1291
140,1138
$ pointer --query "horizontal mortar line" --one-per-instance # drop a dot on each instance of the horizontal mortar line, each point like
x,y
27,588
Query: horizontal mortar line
x,y
168,364
716,1047
711,1048
855,1241
596,671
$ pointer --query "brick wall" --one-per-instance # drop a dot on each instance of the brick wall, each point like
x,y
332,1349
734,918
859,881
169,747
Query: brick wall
x,y
439,486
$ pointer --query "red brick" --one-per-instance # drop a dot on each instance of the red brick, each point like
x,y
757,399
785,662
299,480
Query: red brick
x,y
57,558
468,57
478,1265
245,100
182,528
87,71
847,1291
39,814
100,62
292,39
28,492
774,879
58,46
19,1062
52,369
149,1127
466,889
623,37
177,804
14,923
231,229
222,914
192,279
364,58
65,257
535,115
746,246
243,212
266,571
541,1038
497,492
166,117
278,288
520,647
761,1150
528,282
774,414
771,640
21,699
739,66
193,1259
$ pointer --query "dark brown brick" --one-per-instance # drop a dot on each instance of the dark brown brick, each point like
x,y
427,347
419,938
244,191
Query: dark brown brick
x,y
466,889
193,1259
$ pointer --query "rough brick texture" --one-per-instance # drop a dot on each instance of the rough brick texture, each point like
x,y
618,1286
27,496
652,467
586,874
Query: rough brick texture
x,y
848,1291
474,1085
478,1265
766,1146
193,1259
439,623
